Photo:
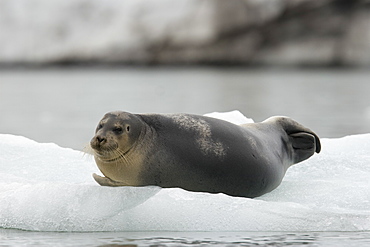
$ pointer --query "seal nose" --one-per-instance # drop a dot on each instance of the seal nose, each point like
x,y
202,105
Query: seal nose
x,y
100,139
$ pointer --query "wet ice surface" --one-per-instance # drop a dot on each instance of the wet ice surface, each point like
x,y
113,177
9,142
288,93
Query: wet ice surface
x,y
163,239
48,188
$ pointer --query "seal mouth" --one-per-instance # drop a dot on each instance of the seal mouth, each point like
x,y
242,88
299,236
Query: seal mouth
x,y
106,156
110,160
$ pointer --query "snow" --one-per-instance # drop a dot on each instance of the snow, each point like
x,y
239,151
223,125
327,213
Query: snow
x,y
45,187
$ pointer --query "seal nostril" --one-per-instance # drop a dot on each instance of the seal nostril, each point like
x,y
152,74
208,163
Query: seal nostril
x,y
100,139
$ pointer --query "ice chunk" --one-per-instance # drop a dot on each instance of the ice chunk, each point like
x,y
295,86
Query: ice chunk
x,y
45,187
235,117
49,188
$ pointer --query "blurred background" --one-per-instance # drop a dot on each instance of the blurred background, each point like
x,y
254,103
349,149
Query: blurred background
x,y
65,63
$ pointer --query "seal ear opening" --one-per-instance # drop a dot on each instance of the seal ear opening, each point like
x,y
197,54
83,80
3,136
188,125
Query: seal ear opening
x,y
304,145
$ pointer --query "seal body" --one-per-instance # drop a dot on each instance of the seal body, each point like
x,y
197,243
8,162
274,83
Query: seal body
x,y
199,153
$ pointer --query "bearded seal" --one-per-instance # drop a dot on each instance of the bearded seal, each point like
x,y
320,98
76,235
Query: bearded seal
x,y
199,153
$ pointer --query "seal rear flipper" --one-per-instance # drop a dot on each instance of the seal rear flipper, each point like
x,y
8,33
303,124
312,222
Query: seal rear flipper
x,y
304,145
104,181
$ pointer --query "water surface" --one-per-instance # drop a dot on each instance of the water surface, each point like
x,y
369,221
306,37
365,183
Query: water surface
x,y
221,239
63,105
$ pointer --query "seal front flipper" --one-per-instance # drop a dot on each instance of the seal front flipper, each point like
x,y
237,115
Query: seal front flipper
x,y
104,181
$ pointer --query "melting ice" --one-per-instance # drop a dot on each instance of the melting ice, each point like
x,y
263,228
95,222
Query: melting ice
x,y
48,188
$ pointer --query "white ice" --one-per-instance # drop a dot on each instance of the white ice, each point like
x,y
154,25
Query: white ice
x,y
48,188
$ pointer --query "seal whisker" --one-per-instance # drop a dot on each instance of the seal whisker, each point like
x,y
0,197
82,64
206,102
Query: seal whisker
x,y
114,152
88,150
121,155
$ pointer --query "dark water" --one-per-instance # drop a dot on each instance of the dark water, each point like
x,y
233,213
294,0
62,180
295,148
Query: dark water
x,y
64,105
229,239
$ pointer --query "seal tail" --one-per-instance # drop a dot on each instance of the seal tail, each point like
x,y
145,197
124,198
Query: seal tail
x,y
304,144
303,140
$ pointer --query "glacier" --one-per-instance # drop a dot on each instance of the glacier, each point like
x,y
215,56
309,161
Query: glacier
x,y
45,187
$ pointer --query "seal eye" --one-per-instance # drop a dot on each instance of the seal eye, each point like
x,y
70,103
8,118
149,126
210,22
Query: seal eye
x,y
99,127
128,128
117,130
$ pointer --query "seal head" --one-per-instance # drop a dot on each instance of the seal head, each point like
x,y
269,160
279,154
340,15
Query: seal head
x,y
116,135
